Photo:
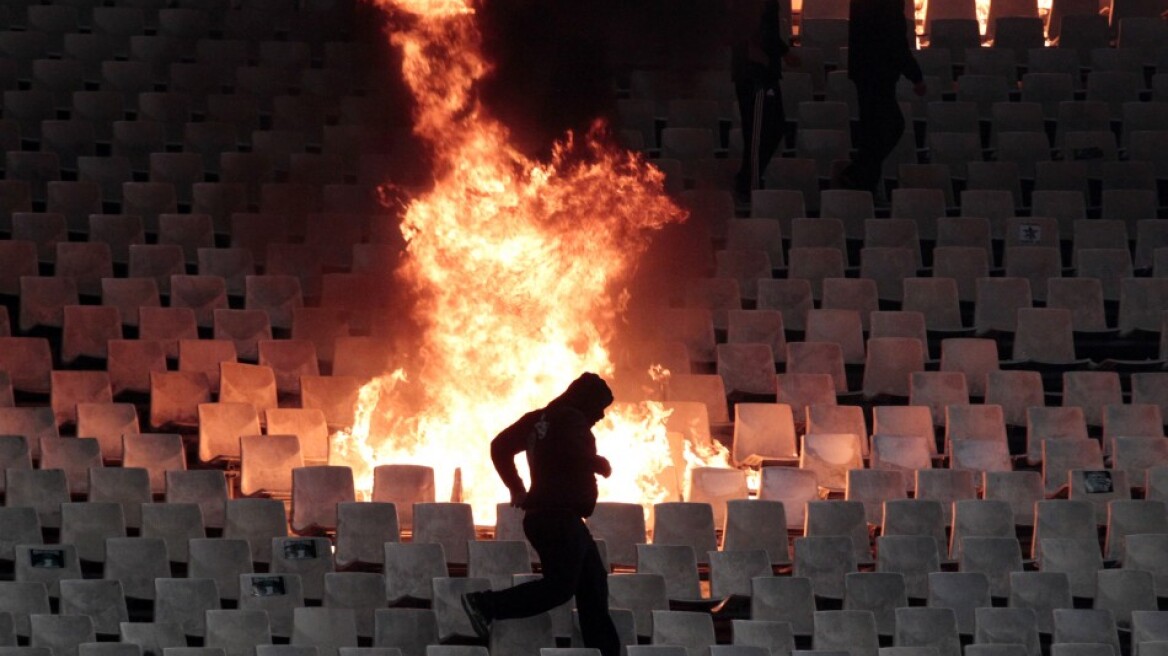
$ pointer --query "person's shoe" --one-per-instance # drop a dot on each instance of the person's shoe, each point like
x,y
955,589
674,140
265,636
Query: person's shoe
x,y
478,619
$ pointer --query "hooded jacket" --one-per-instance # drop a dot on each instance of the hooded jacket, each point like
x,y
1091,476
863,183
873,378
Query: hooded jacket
x,y
758,48
560,447
878,44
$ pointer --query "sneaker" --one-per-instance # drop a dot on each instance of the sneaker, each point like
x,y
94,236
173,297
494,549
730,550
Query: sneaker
x,y
478,619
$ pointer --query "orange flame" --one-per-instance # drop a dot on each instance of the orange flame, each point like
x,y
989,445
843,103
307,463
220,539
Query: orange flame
x,y
518,267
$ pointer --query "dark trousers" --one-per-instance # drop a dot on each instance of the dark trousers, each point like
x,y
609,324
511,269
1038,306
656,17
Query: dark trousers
x,y
571,566
760,108
880,128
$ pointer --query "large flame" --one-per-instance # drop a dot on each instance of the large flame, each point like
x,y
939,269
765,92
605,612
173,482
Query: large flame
x,y
517,268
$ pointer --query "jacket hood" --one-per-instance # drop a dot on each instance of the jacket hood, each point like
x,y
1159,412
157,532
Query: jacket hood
x,y
589,394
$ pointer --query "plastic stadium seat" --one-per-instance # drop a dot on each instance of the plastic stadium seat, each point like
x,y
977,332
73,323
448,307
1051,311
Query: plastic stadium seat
x,y
685,523
289,360
125,294
157,261
409,569
621,526
107,422
747,368
315,493
756,524
134,564
975,357
364,592
279,296
874,487
31,422
964,265
784,599
1136,456
902,453
74,388
168,325
840,518
946,486
1044,423
267,462
61,633
498,561
237,631
244,328
28,557
277,595
231,264
747,267
28,108
87,525
962,592
221,424
793,487
248,383
641,593
149,635
334,396
324,628
763,431
202,294
937,390
890,364
175,523
183,603
718,295
131,362
671,627
119,231
817,358
1011,630
126,486
101,600
677,564
40,231
826,560
403,485
204,356
175,397
411,629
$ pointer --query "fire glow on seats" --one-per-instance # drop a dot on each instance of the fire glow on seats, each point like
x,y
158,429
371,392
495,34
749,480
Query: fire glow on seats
x,y
518,269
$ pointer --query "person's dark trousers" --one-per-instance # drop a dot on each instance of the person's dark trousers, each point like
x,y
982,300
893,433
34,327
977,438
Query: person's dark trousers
x,y
880,127
760,109
571,566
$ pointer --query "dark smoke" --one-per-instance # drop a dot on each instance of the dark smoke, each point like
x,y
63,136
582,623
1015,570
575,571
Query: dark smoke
x,y
559,63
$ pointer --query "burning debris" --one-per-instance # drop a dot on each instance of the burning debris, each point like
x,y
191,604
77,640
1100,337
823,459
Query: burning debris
x,y
518,268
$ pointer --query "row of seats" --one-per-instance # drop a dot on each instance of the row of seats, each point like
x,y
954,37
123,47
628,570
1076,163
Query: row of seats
x,y
253,533
907,564
959,617
949,9
48,24
168,179
1072,119
926,304
927,190
816,75
161,119
1111,99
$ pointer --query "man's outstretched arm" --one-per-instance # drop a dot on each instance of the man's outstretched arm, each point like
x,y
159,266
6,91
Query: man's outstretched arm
x,y
509,443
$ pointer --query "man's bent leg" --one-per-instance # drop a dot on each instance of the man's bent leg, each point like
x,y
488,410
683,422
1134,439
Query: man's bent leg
x,y
592,602
561,554
889,126
865,169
